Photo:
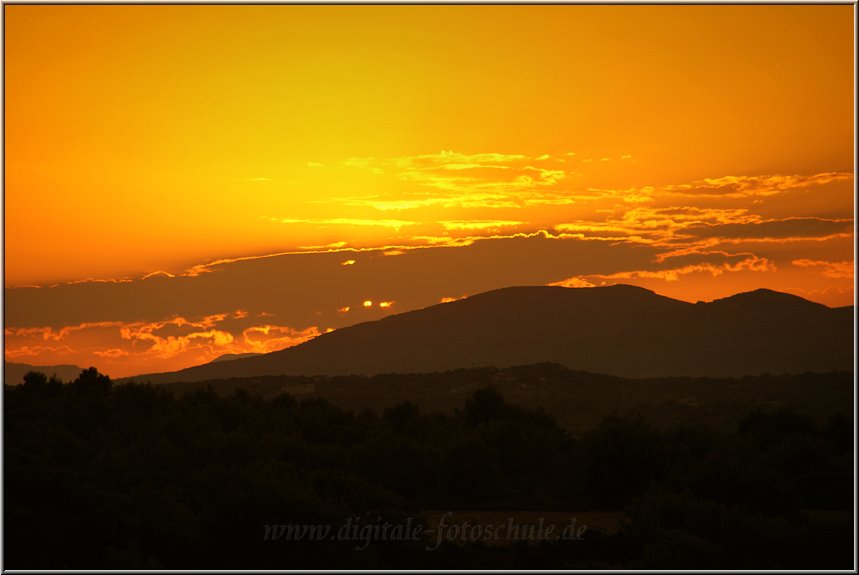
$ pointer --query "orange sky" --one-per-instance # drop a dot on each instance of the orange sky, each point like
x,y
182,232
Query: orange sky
x,y
704,150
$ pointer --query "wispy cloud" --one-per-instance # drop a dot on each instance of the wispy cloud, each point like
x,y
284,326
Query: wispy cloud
x,y
51,334
479,224
762,185
482,180
842,269
268,338
25,352
774,228
683,230
158,274
161,345
460,200
673,274
394,224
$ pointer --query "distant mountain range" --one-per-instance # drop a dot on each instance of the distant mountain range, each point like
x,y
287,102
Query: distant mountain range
x,y
619,330
13,373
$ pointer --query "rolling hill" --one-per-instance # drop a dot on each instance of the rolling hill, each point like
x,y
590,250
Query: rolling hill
x,y
618,330
13,373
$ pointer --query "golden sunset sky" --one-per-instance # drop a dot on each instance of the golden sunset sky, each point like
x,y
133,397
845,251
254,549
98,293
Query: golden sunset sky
x,y
187,181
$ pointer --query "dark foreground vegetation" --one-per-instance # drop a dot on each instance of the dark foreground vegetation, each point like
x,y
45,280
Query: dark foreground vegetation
x,y
110,476
578,400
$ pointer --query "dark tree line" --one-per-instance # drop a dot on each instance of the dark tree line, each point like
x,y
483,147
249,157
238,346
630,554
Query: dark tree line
x,y
130,476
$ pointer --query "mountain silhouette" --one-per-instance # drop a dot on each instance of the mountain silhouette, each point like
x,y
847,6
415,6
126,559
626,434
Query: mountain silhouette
x,y
13,373
619,330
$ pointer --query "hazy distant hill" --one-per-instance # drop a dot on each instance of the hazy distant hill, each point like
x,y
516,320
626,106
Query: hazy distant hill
x,y
13,373
619,330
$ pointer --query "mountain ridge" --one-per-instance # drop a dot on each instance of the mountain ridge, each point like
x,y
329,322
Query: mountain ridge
x,y
619,330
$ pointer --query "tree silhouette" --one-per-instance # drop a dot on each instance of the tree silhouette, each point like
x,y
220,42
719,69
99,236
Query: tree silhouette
x,y
91,381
